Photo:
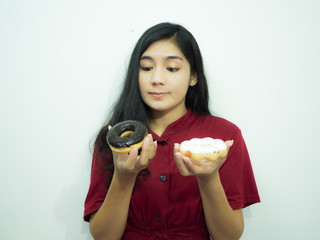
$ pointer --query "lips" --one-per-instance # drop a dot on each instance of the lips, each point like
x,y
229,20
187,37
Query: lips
x,y
158,94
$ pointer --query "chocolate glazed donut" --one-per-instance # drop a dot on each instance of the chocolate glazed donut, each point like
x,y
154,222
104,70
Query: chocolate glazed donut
x,y
126,135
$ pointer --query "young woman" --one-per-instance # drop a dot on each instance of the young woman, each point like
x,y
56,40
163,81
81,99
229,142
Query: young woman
x,y
160,194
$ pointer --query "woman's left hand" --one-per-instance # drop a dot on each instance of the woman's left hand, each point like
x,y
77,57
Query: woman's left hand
x,y
189,167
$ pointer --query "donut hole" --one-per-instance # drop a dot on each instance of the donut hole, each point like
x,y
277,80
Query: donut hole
x,y
126,133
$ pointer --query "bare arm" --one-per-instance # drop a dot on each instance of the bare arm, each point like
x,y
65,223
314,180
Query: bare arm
x,y
109,221
222,221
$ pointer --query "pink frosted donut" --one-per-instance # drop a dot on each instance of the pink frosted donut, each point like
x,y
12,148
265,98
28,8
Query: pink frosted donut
x,y
204,148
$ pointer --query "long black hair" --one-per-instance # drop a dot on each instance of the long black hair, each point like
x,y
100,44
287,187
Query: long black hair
x,y
130,106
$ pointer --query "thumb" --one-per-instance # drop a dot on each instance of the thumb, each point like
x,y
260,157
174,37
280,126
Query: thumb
x,y
229,143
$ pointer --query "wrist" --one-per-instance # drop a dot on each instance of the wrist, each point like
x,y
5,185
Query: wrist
x,y
123,179
212,179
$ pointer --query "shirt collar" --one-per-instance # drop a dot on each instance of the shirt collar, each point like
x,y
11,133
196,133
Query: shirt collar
x,y
172,127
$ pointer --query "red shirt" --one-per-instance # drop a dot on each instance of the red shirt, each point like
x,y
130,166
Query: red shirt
x,y
168,205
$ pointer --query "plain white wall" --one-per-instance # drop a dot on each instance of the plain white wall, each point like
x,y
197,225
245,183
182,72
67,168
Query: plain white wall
x,y
62,62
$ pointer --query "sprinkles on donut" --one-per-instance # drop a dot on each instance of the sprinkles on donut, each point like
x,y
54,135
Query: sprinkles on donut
x,y
126,135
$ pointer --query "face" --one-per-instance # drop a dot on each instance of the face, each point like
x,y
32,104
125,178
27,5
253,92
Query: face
x,y
164,78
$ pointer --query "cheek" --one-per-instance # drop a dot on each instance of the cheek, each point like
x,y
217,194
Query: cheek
x,y
182,85
141,85
143,77
180,91
184,89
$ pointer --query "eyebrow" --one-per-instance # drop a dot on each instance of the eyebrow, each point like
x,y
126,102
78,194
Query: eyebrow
x,y
167,58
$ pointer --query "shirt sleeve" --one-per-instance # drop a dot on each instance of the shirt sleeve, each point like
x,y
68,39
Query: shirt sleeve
x,y
237,175
98,186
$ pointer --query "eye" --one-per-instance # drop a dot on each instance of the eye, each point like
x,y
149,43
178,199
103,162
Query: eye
x,y
146,69
171,69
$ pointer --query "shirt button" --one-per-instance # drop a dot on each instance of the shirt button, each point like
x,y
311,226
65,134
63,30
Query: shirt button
x,y
163,143
159,219
163,178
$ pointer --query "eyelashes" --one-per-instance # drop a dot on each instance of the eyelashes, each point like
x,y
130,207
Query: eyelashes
x,y
170,69
146,69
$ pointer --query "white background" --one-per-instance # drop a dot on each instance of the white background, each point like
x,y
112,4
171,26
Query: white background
x,y
62,63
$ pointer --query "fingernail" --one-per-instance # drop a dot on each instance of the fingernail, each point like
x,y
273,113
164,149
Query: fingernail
x,y
134,151
147,140
185,161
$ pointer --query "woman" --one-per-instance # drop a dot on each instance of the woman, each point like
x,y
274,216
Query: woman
x,y
160,194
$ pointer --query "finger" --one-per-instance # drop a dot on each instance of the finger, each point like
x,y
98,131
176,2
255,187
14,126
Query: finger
x,y
202,167
180,161
132,158
154,147
176,147
145,153
154,150
191,166
229,143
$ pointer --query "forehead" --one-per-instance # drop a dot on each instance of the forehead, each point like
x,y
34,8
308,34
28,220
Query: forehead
x,y
163,48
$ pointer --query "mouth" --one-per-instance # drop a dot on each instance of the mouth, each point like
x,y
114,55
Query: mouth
x,y
158,94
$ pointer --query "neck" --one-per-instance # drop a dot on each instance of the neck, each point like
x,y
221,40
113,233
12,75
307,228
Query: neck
x,y
159,121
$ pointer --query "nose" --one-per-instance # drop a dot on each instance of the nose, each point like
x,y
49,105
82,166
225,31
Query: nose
x,y
158,77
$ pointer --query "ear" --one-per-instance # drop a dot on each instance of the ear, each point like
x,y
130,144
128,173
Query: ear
x,y
193,80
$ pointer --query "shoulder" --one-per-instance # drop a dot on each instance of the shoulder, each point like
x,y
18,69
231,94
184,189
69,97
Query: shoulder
x,y
219,125
223,122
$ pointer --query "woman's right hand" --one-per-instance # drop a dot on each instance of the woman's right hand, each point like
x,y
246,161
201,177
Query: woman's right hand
x,y
129,165
110,220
